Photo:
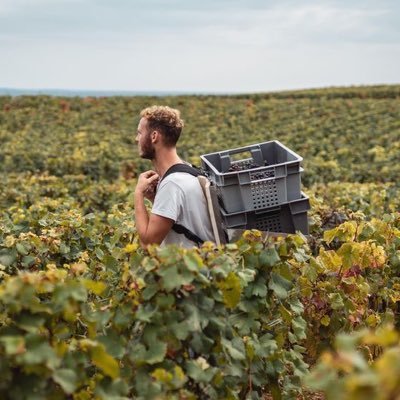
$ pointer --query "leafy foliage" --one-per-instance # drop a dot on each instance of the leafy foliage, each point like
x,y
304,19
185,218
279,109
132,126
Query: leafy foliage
x,y
86,314
338,132
352,371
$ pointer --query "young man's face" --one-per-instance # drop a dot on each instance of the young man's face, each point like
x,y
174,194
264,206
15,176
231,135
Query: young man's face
x,y
143,139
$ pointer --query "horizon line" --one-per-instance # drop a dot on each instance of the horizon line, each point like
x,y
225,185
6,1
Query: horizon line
x,y
13,91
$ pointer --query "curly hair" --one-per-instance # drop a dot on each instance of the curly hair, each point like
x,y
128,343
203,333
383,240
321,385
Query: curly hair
x,y
165,119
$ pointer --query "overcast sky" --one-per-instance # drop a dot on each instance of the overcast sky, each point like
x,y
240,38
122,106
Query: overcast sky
x,y
198,45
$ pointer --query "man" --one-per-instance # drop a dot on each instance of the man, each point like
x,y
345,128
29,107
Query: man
x,y
177,199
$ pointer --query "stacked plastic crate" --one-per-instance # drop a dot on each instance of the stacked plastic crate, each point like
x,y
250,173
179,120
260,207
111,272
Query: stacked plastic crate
x,y
260,191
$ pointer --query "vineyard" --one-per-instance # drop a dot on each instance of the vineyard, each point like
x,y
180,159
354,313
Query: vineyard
x,y
85,313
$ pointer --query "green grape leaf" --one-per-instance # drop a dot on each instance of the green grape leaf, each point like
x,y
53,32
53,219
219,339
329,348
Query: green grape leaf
x,y
67,379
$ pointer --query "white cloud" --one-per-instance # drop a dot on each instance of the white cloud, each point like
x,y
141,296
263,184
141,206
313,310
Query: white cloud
x,y
9,7
99,45
172,65
283,25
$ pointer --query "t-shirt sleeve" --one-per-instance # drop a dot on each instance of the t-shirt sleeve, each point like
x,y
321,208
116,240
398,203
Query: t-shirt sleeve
x,y
168,201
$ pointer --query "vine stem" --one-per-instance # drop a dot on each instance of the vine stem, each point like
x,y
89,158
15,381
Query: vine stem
x,y
250,379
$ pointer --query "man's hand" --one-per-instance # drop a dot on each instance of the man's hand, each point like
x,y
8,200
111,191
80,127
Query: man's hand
x,y
147,183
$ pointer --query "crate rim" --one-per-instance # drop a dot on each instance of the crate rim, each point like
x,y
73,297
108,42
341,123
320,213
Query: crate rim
x,y
202,157
303,197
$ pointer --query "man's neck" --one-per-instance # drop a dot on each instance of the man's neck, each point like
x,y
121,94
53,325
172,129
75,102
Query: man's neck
x,y
165,159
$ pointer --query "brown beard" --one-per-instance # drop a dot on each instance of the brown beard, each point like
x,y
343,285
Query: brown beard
x,y
148,151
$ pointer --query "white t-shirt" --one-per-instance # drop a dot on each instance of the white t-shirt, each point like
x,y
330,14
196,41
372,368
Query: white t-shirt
x,y
180,197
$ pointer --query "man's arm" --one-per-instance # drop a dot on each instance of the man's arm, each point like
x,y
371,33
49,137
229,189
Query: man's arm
x,y
151,228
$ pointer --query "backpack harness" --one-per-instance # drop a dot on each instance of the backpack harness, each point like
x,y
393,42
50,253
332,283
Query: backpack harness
x,y
177,227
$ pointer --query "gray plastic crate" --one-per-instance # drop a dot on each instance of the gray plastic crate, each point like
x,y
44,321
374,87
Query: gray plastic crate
x,y
286,218
275,178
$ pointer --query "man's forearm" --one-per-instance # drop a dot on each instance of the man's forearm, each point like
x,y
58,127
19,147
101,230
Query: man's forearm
x,y
141,217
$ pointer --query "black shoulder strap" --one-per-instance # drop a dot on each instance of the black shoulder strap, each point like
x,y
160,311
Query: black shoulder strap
x,y
188,234
176,227
182,168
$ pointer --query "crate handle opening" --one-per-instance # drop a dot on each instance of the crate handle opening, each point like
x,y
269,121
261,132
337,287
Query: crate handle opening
x,y
252,155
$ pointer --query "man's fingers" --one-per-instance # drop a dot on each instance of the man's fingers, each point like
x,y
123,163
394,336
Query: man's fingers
x,y
153,178
149,173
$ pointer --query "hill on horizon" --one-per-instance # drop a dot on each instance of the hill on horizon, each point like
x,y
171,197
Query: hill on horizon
x,y
5,91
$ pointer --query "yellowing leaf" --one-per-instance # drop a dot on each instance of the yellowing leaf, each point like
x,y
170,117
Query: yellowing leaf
x,y
350,254
373,320
79,268
105,362
385,336
388,367
378,255
325,320
162,375
231,290
179,374
330,260
131,248
94,286
252,234
344,232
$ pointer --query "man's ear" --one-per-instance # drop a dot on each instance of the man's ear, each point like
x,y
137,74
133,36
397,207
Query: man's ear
x,y
155,136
